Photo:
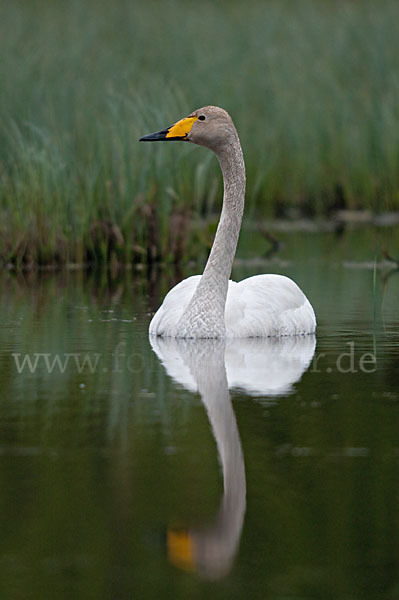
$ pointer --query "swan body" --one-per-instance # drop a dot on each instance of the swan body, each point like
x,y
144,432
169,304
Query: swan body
x,y
260,306
211,305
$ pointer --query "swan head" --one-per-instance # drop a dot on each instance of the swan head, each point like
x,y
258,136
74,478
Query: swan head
x,y
209,126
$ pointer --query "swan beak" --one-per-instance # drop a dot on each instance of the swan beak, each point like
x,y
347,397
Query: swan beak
x,y
178,131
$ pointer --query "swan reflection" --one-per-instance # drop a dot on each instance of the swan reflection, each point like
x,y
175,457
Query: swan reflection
x,y
211,367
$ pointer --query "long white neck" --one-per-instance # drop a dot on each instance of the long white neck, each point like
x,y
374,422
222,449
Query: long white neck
x,y
204,315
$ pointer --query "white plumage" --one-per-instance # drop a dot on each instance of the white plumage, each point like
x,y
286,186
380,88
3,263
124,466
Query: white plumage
x,y
260,306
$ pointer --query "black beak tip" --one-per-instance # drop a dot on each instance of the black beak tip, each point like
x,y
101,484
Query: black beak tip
x,y
145,138
154,137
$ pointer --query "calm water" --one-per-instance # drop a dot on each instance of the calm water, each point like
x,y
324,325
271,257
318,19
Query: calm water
x,y
131,471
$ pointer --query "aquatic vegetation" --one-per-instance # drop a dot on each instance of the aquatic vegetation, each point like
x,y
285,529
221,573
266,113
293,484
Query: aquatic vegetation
x,y
313,88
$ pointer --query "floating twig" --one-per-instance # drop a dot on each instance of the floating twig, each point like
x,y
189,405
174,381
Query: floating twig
x,y
275,243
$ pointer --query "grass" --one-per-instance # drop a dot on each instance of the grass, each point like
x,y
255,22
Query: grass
x,y
313,87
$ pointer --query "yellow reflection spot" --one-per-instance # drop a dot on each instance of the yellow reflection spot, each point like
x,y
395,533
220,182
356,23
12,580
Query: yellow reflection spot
x,y
180,549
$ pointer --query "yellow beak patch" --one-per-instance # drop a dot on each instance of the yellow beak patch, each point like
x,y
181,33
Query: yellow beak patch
x,y
181,128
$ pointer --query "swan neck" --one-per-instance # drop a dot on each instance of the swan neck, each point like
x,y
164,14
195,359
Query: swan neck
x,y
224,246
204,315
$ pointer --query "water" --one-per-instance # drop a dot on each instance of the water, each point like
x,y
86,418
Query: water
x,y
137,472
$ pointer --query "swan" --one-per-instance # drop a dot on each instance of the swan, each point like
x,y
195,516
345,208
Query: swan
x,y
210,305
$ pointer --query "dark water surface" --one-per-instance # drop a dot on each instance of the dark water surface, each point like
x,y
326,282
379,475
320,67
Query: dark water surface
x,y
128,471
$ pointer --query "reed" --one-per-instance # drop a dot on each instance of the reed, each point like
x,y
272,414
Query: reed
x,y
312,86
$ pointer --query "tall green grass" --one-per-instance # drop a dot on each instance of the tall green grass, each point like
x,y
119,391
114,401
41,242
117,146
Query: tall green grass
x,y
313,87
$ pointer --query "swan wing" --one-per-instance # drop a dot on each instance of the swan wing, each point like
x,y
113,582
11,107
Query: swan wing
x,y
175,302
268,305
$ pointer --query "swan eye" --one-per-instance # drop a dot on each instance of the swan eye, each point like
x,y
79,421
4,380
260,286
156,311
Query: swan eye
x,y
201,118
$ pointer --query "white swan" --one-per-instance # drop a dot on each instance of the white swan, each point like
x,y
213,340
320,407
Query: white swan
x,y
209,305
